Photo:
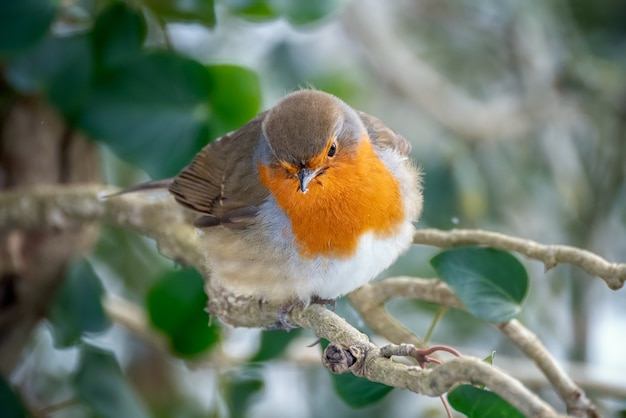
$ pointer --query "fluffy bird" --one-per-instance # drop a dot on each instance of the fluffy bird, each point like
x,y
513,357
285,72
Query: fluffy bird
x,y
306,202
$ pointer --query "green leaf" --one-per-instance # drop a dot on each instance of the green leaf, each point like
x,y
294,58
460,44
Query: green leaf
x,y
118,35
274,343
491,283
442,191
301,12
11,405
241,390
480,403
235,96
255,10
490,357
23,23
61,68
358,392
176,305
202,11
152,112
77,307
297,12
101,385
355,391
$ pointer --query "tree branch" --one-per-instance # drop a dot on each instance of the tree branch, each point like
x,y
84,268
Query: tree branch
x,y
70,207
614,274
575,398
369,301
396,64
352,351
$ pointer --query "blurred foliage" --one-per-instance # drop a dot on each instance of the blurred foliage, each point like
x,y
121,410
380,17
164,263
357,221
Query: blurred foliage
x,y
298,12
101,385
201,11
274,343
77,308
11,404
242,389
23,23
116,71
177,306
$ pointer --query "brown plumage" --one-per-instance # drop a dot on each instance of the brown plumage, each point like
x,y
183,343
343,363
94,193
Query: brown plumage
x,y
309,199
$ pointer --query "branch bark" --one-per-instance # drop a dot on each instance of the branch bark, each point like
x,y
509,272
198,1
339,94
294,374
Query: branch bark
x,y
367,360
369,301
614,274
70,207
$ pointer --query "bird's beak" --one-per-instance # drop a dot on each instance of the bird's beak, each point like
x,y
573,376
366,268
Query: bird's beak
x,y
305,176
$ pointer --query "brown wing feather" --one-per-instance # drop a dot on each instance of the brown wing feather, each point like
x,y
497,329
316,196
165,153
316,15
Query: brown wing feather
x,y
382,136
222,181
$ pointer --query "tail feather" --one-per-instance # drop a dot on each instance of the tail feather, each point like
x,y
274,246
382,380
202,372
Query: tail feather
x,y
161,184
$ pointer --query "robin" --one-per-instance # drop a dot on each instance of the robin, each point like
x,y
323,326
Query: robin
x,y
306,202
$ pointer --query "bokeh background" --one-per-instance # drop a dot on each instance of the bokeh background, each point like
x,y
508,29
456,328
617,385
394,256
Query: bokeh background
x,y
517,116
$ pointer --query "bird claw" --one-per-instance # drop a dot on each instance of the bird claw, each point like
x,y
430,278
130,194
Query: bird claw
x,y
283,320
283,313
332,303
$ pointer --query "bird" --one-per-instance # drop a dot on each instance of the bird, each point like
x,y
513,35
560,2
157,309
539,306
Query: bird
x,y
306,202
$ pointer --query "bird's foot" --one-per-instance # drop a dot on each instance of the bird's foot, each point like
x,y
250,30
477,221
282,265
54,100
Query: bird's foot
x,y
283,319
331,303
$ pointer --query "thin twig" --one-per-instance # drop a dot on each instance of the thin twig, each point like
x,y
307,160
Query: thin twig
x,y
614,274
436,291
368,361
402,68
578,404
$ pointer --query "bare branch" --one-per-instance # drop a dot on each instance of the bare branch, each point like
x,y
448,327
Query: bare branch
x,y
433,290
366,360
614,274
133,318
71,207
389,55
577,402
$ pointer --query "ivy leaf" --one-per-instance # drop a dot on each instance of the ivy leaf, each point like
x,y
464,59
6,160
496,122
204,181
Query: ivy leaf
x,y
492,284
302,12
11,405
235,96
480,403
117,36
101,385
255,10
152,112
77,307
176,305
23,23
61,68
242,388
201,11
274,343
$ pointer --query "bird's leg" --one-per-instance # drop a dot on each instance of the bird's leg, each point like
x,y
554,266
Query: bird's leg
x,y
283,322
332,303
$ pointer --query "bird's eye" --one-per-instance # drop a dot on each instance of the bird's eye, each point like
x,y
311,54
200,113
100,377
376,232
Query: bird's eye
x,y
332,150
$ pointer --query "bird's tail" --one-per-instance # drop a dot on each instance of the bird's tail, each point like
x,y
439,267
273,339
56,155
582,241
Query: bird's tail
x,y
161,184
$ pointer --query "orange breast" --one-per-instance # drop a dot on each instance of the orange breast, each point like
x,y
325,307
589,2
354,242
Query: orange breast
x,y
356,195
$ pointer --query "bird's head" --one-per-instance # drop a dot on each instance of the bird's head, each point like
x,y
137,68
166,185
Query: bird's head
x,y
308,133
